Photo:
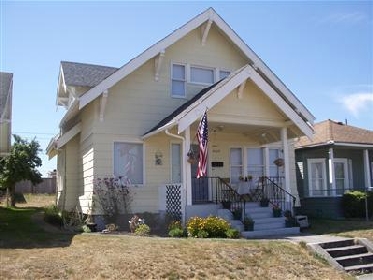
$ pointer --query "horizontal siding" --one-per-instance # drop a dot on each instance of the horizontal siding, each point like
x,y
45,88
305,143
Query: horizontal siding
x,y
323,207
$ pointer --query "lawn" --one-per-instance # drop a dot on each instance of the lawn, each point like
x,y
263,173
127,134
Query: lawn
x,y
27,251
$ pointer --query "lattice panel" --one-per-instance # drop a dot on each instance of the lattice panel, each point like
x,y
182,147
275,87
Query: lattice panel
x,y
173,201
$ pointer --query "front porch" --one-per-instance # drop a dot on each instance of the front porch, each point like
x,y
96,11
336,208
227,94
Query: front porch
x,y
215,196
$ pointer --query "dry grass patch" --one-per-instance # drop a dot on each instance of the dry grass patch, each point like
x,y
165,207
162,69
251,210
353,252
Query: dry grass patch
x,y
94,256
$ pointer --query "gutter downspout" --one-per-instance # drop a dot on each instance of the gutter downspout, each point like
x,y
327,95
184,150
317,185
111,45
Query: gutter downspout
x,y
184,166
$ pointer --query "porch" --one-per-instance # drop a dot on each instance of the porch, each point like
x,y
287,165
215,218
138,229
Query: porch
x,y
233,202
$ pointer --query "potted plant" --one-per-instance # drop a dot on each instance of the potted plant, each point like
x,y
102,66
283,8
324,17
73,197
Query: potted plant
x,y
290,220
276,210
248,224
264,202
237,213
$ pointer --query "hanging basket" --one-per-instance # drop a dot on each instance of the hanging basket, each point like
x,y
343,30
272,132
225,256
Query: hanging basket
x,y
191,156
279,162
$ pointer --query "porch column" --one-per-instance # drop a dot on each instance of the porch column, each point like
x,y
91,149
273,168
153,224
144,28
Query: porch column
x,y
266,163
367,174
285,147
187,178
331,171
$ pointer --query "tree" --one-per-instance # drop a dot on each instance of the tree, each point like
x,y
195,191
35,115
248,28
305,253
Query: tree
x,y
20,164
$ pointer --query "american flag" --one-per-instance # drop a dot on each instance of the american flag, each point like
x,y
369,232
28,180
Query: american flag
x,y
202,135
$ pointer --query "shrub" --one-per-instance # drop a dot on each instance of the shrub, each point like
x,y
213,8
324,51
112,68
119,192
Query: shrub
x,y
52,216
353,204
142,230
232,233
207,227
175,229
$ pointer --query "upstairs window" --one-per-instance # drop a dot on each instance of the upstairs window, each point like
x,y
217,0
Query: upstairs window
x,y
178,80
200,75
223,74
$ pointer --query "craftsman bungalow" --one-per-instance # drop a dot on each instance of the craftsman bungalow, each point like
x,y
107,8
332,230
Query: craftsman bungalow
x,y
338,159
140,121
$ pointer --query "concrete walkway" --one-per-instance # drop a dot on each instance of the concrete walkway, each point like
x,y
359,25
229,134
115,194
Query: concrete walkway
x,y
315,238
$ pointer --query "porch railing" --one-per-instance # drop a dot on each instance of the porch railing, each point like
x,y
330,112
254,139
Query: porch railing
x,y
271,188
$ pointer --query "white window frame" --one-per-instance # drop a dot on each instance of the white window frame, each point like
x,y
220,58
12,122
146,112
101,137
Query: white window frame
x,y
236,166
219,71
178,80
324,187
142,164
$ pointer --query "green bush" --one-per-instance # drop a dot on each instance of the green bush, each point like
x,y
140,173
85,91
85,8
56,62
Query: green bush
x,y
232,233
175,229
207,227
353,204
52,215
142,230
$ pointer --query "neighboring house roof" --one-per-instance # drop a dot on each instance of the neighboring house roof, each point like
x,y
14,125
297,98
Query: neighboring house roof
x,y
330,132
209,16
5,92
84,75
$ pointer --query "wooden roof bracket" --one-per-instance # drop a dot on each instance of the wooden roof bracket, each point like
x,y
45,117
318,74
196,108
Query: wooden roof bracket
x,y
240,89
205,28
158,63
103,104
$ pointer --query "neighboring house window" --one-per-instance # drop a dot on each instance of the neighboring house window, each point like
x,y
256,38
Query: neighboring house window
x,y
255,162
223,74
178,80
129,162
341,176
317,177
236,164
200,75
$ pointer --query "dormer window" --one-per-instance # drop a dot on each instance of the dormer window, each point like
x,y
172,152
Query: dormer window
x,y
200,75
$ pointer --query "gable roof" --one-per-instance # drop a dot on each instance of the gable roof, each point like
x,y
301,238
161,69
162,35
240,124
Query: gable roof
x,y
5,91
188,112
330,132
207,16
83,74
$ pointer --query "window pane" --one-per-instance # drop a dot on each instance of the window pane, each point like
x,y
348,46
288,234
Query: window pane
x,y
201,75
178,72
128,162
255,166
223,74
178,88
317,179
236,156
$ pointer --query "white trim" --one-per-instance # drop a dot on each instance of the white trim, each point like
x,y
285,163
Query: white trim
x,y
154,50
213,69
331,170
185,80
66,137
367,175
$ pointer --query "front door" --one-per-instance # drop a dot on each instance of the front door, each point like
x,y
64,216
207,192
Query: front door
x,y
199,186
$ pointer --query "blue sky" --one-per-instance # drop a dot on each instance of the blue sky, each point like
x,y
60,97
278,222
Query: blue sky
x,y
322,50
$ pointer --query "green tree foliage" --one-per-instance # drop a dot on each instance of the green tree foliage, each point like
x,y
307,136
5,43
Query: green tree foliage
x,y
20,164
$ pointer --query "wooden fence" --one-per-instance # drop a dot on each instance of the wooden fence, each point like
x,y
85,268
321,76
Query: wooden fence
x,y
49,185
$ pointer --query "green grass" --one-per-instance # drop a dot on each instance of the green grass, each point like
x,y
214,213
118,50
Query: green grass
x,y
17,229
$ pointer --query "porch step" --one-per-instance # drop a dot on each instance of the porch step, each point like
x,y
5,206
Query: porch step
x,y
269,223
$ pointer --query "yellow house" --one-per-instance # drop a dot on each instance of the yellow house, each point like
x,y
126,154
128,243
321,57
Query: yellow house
x,y
6,92
139,122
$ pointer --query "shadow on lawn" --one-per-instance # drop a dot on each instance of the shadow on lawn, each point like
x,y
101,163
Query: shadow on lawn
x,y
24,228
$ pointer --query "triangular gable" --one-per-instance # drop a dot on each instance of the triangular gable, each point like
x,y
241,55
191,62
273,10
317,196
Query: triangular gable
x,y
159,48
189,112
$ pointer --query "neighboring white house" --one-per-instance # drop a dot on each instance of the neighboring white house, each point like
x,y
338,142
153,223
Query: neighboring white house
x,y
6,93
139,121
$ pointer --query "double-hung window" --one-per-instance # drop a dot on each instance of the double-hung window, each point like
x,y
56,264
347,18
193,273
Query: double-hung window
x,y
129,162
317,177
178,80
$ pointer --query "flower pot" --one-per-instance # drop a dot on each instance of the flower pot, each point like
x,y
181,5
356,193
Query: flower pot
x,y
277,212
249,227
264,203
226,204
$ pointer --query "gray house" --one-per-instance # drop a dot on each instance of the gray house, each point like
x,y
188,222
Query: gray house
x,y
339,158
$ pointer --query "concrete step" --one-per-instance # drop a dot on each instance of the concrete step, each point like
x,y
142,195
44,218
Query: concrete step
x,y
278,224
270,232
360,269
347,251
358,259
339,243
